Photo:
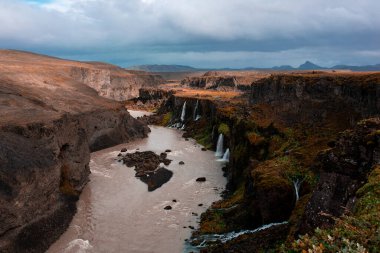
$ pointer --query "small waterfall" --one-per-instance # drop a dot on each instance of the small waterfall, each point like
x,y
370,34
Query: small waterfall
x,y
219,146
209,238
226,156
183,114
196,111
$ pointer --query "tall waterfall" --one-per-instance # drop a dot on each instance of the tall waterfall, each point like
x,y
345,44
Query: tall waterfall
x,y
219,146
183,114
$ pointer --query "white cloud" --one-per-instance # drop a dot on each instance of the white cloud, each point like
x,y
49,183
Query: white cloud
x,y
118,24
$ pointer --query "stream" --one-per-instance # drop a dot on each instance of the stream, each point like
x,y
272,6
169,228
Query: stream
x,y
116,213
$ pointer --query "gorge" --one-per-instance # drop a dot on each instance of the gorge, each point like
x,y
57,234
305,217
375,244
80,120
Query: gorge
x,y
298,150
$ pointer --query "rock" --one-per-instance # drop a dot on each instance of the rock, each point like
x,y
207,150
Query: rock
x,y
123,150
343,170
204,149
174,200
50,121
168,151
200,204
186,139
181,163
194,214
120,154
191,227
201,179
168,208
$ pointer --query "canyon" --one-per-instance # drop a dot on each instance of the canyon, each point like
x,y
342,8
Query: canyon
x,y
303,149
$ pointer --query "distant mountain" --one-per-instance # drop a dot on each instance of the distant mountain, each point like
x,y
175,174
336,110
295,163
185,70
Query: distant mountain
x,y
308,65
283,67
358,68
163,68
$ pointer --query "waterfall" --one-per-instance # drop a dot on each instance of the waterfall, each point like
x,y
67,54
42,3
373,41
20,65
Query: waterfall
x,y
183,114
226,156
297,185
219,146
210,238
196,111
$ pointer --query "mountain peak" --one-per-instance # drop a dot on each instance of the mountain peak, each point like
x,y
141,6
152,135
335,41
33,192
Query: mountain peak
x,y
308,65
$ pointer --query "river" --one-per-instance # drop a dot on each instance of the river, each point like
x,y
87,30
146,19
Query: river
x,y
116,213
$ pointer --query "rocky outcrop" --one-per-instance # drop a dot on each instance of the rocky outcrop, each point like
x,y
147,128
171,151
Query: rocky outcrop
x,y
49,123
223,80
113,82
319,98
343,170
147,167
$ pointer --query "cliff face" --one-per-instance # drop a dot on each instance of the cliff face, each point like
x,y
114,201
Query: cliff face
x,y
49,123
113,82
343,170
223,80
320,98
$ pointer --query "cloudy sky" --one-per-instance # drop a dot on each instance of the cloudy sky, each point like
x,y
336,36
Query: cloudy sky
x,y
200,33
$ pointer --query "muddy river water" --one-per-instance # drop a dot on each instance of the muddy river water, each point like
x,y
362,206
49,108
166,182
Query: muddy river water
x,y
116,213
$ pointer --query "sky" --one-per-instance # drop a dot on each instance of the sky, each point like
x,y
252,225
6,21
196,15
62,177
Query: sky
x,y
198,33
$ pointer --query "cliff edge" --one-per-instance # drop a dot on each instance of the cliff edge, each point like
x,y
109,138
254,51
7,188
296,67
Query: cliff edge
x,y
49,123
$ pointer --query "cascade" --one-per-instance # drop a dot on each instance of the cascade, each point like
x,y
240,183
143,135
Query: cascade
x,y
196,111
219,146
226,156
183,114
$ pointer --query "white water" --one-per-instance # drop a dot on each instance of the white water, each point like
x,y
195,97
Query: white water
x,y
116,213
226,156
219,146
232,235
183,114
196,115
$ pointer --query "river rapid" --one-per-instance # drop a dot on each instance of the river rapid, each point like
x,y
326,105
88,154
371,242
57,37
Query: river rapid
x,y
116,213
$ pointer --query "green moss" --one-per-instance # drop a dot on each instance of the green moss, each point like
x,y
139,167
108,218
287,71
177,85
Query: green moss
x,y
224,129
212,222
166,119
203,137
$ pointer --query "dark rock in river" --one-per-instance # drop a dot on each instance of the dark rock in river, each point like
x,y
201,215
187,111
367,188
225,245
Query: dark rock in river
x,y
146,166
123,150
168,151
201,179
157,178
168,208
181,163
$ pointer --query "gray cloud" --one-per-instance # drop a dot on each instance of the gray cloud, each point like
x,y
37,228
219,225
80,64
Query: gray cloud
x,y
204,33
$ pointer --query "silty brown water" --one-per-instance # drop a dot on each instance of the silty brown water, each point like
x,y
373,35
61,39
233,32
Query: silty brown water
x,y
116,213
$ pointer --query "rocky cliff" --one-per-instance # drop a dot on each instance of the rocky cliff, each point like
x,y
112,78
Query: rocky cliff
x,y
49,123
113,82
319,98
224,80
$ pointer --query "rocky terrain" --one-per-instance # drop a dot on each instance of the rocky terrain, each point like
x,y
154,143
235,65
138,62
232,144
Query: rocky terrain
x,y
50,120
224,80
289,159
108,80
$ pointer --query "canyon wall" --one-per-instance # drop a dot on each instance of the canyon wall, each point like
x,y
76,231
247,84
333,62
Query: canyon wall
x,y
49,124
224,80
319,98
115,83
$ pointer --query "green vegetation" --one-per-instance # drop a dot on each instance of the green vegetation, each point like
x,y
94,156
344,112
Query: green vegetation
x,y
224,129
212,222
166,119
204,137
359,232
